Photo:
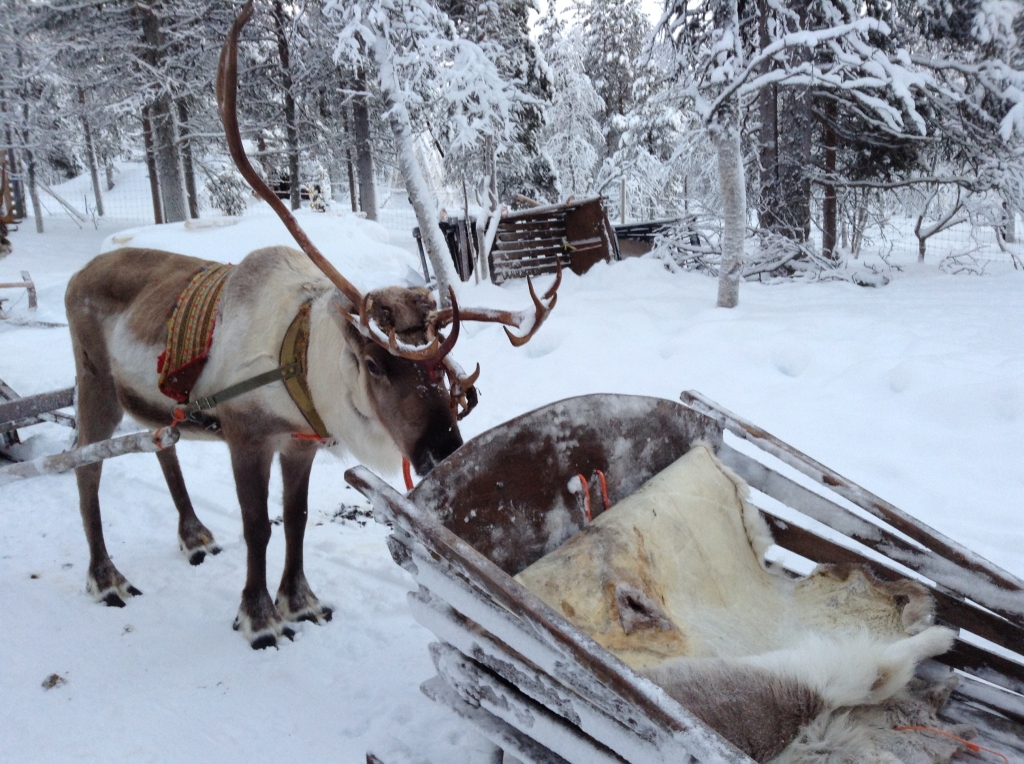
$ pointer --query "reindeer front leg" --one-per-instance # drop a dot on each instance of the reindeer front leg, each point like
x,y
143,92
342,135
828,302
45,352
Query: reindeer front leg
x,y
257,619
295,600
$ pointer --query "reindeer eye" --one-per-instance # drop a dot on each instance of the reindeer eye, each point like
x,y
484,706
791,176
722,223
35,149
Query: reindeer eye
x,y
373,367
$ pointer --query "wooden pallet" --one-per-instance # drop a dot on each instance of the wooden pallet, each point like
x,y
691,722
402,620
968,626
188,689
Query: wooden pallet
x,y
543,691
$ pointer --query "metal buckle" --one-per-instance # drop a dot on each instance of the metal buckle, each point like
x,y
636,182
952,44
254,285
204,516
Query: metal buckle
x,y
203,404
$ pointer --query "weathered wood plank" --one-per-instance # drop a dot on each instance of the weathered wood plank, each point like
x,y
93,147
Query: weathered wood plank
x,y
504,701
950,603
499,732
990,586
949,610
33,405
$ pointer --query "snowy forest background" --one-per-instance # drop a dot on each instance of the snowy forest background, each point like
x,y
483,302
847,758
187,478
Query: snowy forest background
x,y
785,134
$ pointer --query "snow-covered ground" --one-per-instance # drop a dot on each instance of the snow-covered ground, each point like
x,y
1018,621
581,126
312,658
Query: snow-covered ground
x,y
914,390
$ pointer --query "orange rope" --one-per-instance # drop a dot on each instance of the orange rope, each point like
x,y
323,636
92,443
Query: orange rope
x,y
973,747
586,495
604,489
407,473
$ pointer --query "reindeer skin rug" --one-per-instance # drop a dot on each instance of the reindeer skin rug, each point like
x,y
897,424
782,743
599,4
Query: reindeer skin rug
x,y
673,581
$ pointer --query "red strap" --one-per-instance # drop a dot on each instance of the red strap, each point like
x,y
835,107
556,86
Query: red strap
x,y
407,473
586,495
974,747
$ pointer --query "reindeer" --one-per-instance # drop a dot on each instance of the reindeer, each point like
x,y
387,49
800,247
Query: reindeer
x,y
375,373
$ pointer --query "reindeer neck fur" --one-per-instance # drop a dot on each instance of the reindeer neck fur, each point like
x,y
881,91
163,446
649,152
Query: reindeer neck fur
x,y
262,296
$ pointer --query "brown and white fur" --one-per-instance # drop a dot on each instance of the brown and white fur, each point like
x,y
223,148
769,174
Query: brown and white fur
x,y
761,703
378,406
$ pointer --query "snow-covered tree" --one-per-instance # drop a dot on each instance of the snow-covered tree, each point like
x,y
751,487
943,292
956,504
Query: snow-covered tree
x,y
423,68
572,138
614,33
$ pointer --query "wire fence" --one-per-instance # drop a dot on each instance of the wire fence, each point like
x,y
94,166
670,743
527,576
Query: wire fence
x,y
891,238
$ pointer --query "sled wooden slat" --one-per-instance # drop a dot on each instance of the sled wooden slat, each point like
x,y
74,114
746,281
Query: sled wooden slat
x,y
948,609
20,411
27,284
965,561
954,609
479,518
502,734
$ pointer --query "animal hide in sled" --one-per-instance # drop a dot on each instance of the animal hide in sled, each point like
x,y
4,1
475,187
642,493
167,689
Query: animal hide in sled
x,y
673,581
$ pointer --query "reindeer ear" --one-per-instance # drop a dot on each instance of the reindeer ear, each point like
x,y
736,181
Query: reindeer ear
x,y
341,305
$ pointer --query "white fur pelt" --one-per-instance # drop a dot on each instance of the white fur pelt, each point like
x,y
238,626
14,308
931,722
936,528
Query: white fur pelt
x,y
762,703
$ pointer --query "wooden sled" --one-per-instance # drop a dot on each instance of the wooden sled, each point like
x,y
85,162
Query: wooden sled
x,y
542,691
17,412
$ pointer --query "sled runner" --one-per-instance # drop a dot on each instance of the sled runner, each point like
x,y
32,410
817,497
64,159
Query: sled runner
x,y
542,690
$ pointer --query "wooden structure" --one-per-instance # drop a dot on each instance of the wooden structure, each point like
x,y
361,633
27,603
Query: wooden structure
x,y
541,690
637,239
532,241
27,284
17,412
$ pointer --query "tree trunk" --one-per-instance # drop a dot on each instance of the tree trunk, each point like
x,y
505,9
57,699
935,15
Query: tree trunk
x,y
1010,226
154,183
108,169
794,198
91,155
768,150
830,205
732,183
364,151
186,161
165,139
351,181
33,190
291,130
420,196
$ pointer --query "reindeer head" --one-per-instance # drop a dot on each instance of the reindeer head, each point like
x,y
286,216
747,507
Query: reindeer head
x,y
417,391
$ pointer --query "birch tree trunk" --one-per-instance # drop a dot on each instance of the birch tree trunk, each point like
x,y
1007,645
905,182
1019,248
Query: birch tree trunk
x,y
186,161
420,196
90,152
33,189
725,133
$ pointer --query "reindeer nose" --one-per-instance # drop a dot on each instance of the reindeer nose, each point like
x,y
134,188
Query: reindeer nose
x,y
435,447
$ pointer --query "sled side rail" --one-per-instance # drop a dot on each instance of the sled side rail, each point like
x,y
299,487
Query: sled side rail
x,y
954,566
952,605
454,571
32,409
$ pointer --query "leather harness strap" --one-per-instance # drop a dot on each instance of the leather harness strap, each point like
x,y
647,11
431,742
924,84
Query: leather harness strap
x,y
292,372
294,349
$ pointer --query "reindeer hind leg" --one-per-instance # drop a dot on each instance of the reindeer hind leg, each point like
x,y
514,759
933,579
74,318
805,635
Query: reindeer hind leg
x,y
98,415
194,538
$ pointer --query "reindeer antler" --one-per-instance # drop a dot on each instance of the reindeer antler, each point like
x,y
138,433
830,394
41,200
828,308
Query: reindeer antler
x,y
435,354
516,318
227,92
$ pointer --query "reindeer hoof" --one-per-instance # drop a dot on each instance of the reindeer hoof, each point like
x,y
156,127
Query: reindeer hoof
x,y
106,584
259,621
296,602
196,543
